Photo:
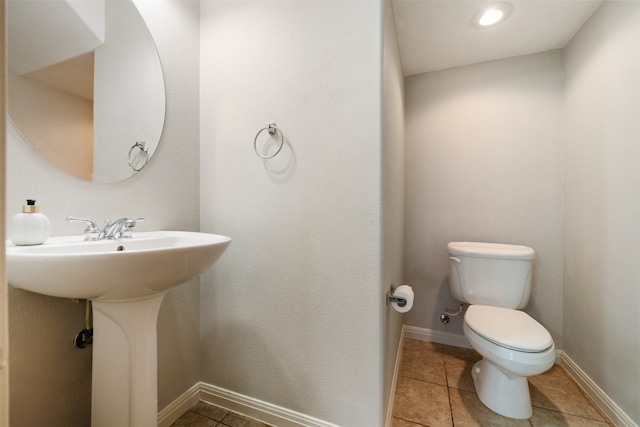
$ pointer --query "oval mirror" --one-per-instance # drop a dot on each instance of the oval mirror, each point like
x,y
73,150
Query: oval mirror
x,y
85,85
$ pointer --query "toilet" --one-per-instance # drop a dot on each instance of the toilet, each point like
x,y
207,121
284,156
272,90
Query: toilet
x,y
495,279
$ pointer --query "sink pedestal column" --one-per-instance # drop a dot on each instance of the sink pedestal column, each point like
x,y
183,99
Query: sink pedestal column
x,y
125,363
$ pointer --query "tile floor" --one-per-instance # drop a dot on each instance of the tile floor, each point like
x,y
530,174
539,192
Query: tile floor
x,y
206,415
435,389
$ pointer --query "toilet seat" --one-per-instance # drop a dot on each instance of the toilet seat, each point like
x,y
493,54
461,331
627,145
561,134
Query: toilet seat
x,y
505,327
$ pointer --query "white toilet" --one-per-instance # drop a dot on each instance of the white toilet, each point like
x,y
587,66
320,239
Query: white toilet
x,y
496,280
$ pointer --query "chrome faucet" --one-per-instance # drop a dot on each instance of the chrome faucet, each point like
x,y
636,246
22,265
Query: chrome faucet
x,y
118,229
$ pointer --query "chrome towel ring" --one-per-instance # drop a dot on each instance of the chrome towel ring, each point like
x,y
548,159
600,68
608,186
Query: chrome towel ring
x,y
133,156
273,130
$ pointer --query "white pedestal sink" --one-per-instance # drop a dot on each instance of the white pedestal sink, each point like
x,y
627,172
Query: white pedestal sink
x,y
126,280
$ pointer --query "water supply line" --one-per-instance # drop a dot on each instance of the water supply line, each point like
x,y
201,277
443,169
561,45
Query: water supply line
x,y
445,317
88,315
85,336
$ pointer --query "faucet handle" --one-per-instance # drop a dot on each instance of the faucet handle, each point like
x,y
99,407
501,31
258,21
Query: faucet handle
x,y
91,232
129,223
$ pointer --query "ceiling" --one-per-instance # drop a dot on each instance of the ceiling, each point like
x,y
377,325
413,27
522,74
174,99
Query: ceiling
x,y
437,34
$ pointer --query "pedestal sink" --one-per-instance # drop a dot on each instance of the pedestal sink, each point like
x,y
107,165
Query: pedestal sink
x,y
126,280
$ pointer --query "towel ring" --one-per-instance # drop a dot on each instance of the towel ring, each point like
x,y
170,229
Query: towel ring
x,y
142,146
272,129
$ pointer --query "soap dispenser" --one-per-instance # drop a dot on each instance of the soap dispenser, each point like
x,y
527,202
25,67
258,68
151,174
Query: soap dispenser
x,y
29,227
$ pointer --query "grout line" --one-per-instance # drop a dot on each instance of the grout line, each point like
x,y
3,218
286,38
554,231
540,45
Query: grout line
x,y
449,391
570,379
446,380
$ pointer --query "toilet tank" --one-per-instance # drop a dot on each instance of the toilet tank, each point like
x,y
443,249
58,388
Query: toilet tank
x,y
490,273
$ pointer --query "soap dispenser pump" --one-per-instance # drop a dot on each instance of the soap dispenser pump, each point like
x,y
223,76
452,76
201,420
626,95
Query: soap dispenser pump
x,y
30,227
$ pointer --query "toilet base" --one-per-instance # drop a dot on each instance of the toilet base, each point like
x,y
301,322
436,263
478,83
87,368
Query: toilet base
x,y
504,394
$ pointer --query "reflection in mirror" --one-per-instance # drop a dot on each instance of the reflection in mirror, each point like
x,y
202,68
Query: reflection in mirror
x,y
86,88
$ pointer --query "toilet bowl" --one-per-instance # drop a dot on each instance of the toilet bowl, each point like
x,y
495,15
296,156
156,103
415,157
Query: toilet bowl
x,y
513,347
495,279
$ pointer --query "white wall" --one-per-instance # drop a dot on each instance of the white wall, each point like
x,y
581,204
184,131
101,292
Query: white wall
x,y
602,202
50,379
392,187
484,163
292,312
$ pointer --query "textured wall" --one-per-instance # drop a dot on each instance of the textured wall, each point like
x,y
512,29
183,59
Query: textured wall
x,y
392,186
50,379
292,313
484,163
602,202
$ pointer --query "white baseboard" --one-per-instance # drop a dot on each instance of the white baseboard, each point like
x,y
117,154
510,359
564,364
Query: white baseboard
x,y
178,407
239,403
254,408
394,381
604,402
430,335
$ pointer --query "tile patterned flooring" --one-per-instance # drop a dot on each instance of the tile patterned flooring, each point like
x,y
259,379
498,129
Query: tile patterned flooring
x,y
435,389
206,415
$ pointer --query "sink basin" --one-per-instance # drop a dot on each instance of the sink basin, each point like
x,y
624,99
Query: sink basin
x,y
126,281
147,264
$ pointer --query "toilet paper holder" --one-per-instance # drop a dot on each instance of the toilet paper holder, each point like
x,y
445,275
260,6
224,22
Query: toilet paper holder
x,y
391,298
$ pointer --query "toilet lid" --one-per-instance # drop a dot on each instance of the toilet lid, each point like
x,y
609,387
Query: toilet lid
x,y
509,328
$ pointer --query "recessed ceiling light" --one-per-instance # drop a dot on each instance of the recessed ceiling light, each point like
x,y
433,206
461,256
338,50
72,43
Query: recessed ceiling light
x,y
491,15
